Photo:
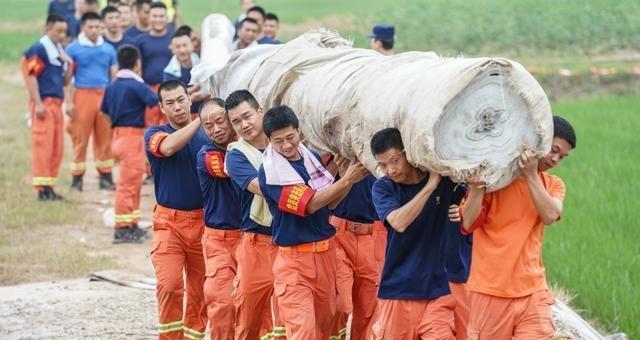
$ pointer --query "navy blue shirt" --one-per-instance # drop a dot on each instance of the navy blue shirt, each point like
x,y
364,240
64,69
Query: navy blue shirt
x,y
457,246
73,28
175,178
64,9
268,41
242,173
50,77
133,32
116,44
155,55
125,101
414,266
221,196
358,206
295,228
185,77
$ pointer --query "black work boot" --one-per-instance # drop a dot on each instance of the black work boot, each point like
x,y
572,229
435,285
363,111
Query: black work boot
x,y
126,235
76,183
144,234
42,195
106,182
52,195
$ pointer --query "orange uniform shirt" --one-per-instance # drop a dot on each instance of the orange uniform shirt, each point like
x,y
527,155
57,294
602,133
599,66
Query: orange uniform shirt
x,y
507,241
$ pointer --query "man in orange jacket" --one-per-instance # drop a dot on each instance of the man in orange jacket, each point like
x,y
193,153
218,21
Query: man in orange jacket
x,y
47,69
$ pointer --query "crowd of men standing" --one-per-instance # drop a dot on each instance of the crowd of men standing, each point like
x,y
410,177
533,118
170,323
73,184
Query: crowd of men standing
x,y
255,235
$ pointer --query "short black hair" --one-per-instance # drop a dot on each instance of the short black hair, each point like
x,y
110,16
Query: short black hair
x,y
385,140
386,44
259,10
563,129
90,2
158,5
185,28
127,56
181,33
107,10
210,101
53,18
170,85
278,118
238,97
140,3
89,16
271,16
249,20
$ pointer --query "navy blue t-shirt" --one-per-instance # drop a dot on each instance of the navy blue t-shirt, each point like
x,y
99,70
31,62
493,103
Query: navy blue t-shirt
x,y
63,9
133,32
116,44
457,246
125,101
50,77
175,178
358,206
73,26
155,55
291,228
242,173
414,266
185,77
221,196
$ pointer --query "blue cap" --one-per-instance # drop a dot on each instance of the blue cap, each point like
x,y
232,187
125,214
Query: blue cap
x,y
383,32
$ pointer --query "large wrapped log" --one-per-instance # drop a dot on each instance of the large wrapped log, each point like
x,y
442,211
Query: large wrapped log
x,y
458,116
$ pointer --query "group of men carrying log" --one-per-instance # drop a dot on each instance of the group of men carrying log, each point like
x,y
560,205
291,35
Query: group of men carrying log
x,y
274,240
294,242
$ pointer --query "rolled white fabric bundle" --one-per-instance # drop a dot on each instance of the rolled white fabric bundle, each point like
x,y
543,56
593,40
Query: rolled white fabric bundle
x,y
460,117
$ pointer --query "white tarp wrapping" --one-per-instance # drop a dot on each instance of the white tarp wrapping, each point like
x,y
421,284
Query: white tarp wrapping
x,y
458,116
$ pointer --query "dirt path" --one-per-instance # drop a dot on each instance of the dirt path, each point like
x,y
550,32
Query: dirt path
x,y
76,309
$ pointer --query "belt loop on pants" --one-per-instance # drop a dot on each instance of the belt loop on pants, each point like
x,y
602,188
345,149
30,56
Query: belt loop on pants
x,y
221,233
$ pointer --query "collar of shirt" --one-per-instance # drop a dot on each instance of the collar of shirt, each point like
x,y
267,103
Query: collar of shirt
x,y
84,41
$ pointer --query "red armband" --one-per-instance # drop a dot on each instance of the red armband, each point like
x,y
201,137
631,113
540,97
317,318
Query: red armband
x,y
155,141
214,161
294,199
35,65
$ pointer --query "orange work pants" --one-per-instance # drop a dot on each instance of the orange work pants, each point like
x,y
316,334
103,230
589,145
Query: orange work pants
x,y
461,312
128,148
523,318
305,286
360,252
415,319
253,288
153,115
87,121
176,253
46,143
219,249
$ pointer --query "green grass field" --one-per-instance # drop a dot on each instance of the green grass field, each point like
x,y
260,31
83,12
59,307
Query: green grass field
x,y
594,252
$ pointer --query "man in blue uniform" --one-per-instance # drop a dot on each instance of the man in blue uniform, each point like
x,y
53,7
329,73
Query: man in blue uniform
x,y
47,69
178,222
256,252
141,25
299,192
222,219
113,31
155,52
95,64
414,299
